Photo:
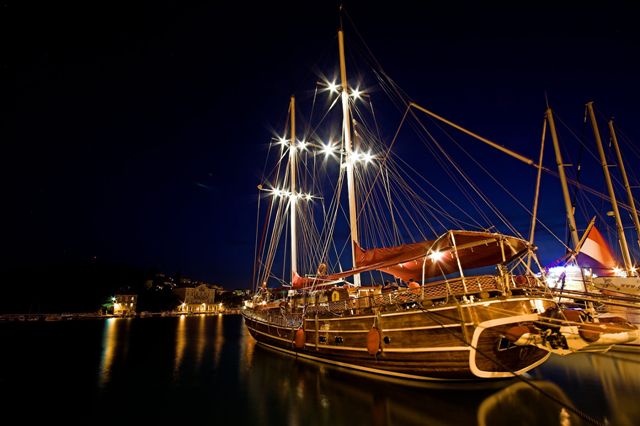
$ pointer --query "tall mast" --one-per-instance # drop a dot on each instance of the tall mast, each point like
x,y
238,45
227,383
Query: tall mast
x,y
612,195
627,187
346,128
537,195
563,181
293,197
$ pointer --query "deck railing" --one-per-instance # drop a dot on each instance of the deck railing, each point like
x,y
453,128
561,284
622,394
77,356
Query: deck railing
x,y
473,288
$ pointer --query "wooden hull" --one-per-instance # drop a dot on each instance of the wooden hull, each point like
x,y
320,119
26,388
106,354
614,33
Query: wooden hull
x,y
418,343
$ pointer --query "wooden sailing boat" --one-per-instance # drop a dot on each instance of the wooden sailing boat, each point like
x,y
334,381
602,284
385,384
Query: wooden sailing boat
x,y
454,319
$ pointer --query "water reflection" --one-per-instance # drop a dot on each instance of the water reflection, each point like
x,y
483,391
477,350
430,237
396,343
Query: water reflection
x,y
314,393
213,360
194,337
218,340
181,343
605,385
201,339
546,404
247,345
114,344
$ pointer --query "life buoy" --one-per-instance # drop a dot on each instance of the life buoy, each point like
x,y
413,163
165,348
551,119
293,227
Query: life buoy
x,y
300,339
521,280
373,341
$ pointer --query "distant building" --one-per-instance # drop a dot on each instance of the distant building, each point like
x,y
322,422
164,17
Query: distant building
x,y
125,304
200,299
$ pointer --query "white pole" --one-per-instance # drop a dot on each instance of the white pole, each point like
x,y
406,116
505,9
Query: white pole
x,y
346,129
293,197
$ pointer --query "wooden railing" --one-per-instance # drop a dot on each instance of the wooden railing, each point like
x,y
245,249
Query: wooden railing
x,y
471,288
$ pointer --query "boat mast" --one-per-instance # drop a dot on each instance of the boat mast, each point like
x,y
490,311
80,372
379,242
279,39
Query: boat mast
x,y
293,196
346,128
563,181
625,179
612,195
534,213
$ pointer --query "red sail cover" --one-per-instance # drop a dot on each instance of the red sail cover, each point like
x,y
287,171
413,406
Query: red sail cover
x,y
300,282
595,253
474,249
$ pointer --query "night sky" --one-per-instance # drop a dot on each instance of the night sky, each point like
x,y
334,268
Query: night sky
x,y
136,130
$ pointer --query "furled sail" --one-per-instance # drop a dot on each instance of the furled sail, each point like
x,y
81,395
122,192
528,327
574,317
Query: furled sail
x,y
474,250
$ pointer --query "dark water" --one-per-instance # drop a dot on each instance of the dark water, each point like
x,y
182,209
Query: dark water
x,y
208,370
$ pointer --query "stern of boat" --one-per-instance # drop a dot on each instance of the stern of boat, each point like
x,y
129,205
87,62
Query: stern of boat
x,y
493,355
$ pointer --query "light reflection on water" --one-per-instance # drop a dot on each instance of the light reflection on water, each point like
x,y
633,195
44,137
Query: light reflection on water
x,y
181,342
606,385
201,340
114,338
218,340
216,362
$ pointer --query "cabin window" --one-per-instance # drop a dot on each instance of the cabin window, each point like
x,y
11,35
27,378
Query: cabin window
x,y
339,339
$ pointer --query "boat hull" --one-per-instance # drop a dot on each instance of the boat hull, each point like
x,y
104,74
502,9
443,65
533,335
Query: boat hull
x,y
417,342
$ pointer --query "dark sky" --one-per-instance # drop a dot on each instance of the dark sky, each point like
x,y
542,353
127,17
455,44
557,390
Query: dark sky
x,y
136,130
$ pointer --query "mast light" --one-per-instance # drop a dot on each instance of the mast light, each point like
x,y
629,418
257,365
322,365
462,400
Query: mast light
x,y
328,149
436,256
332,86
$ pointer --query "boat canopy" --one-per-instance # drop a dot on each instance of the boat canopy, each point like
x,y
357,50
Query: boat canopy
x,y
474,250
